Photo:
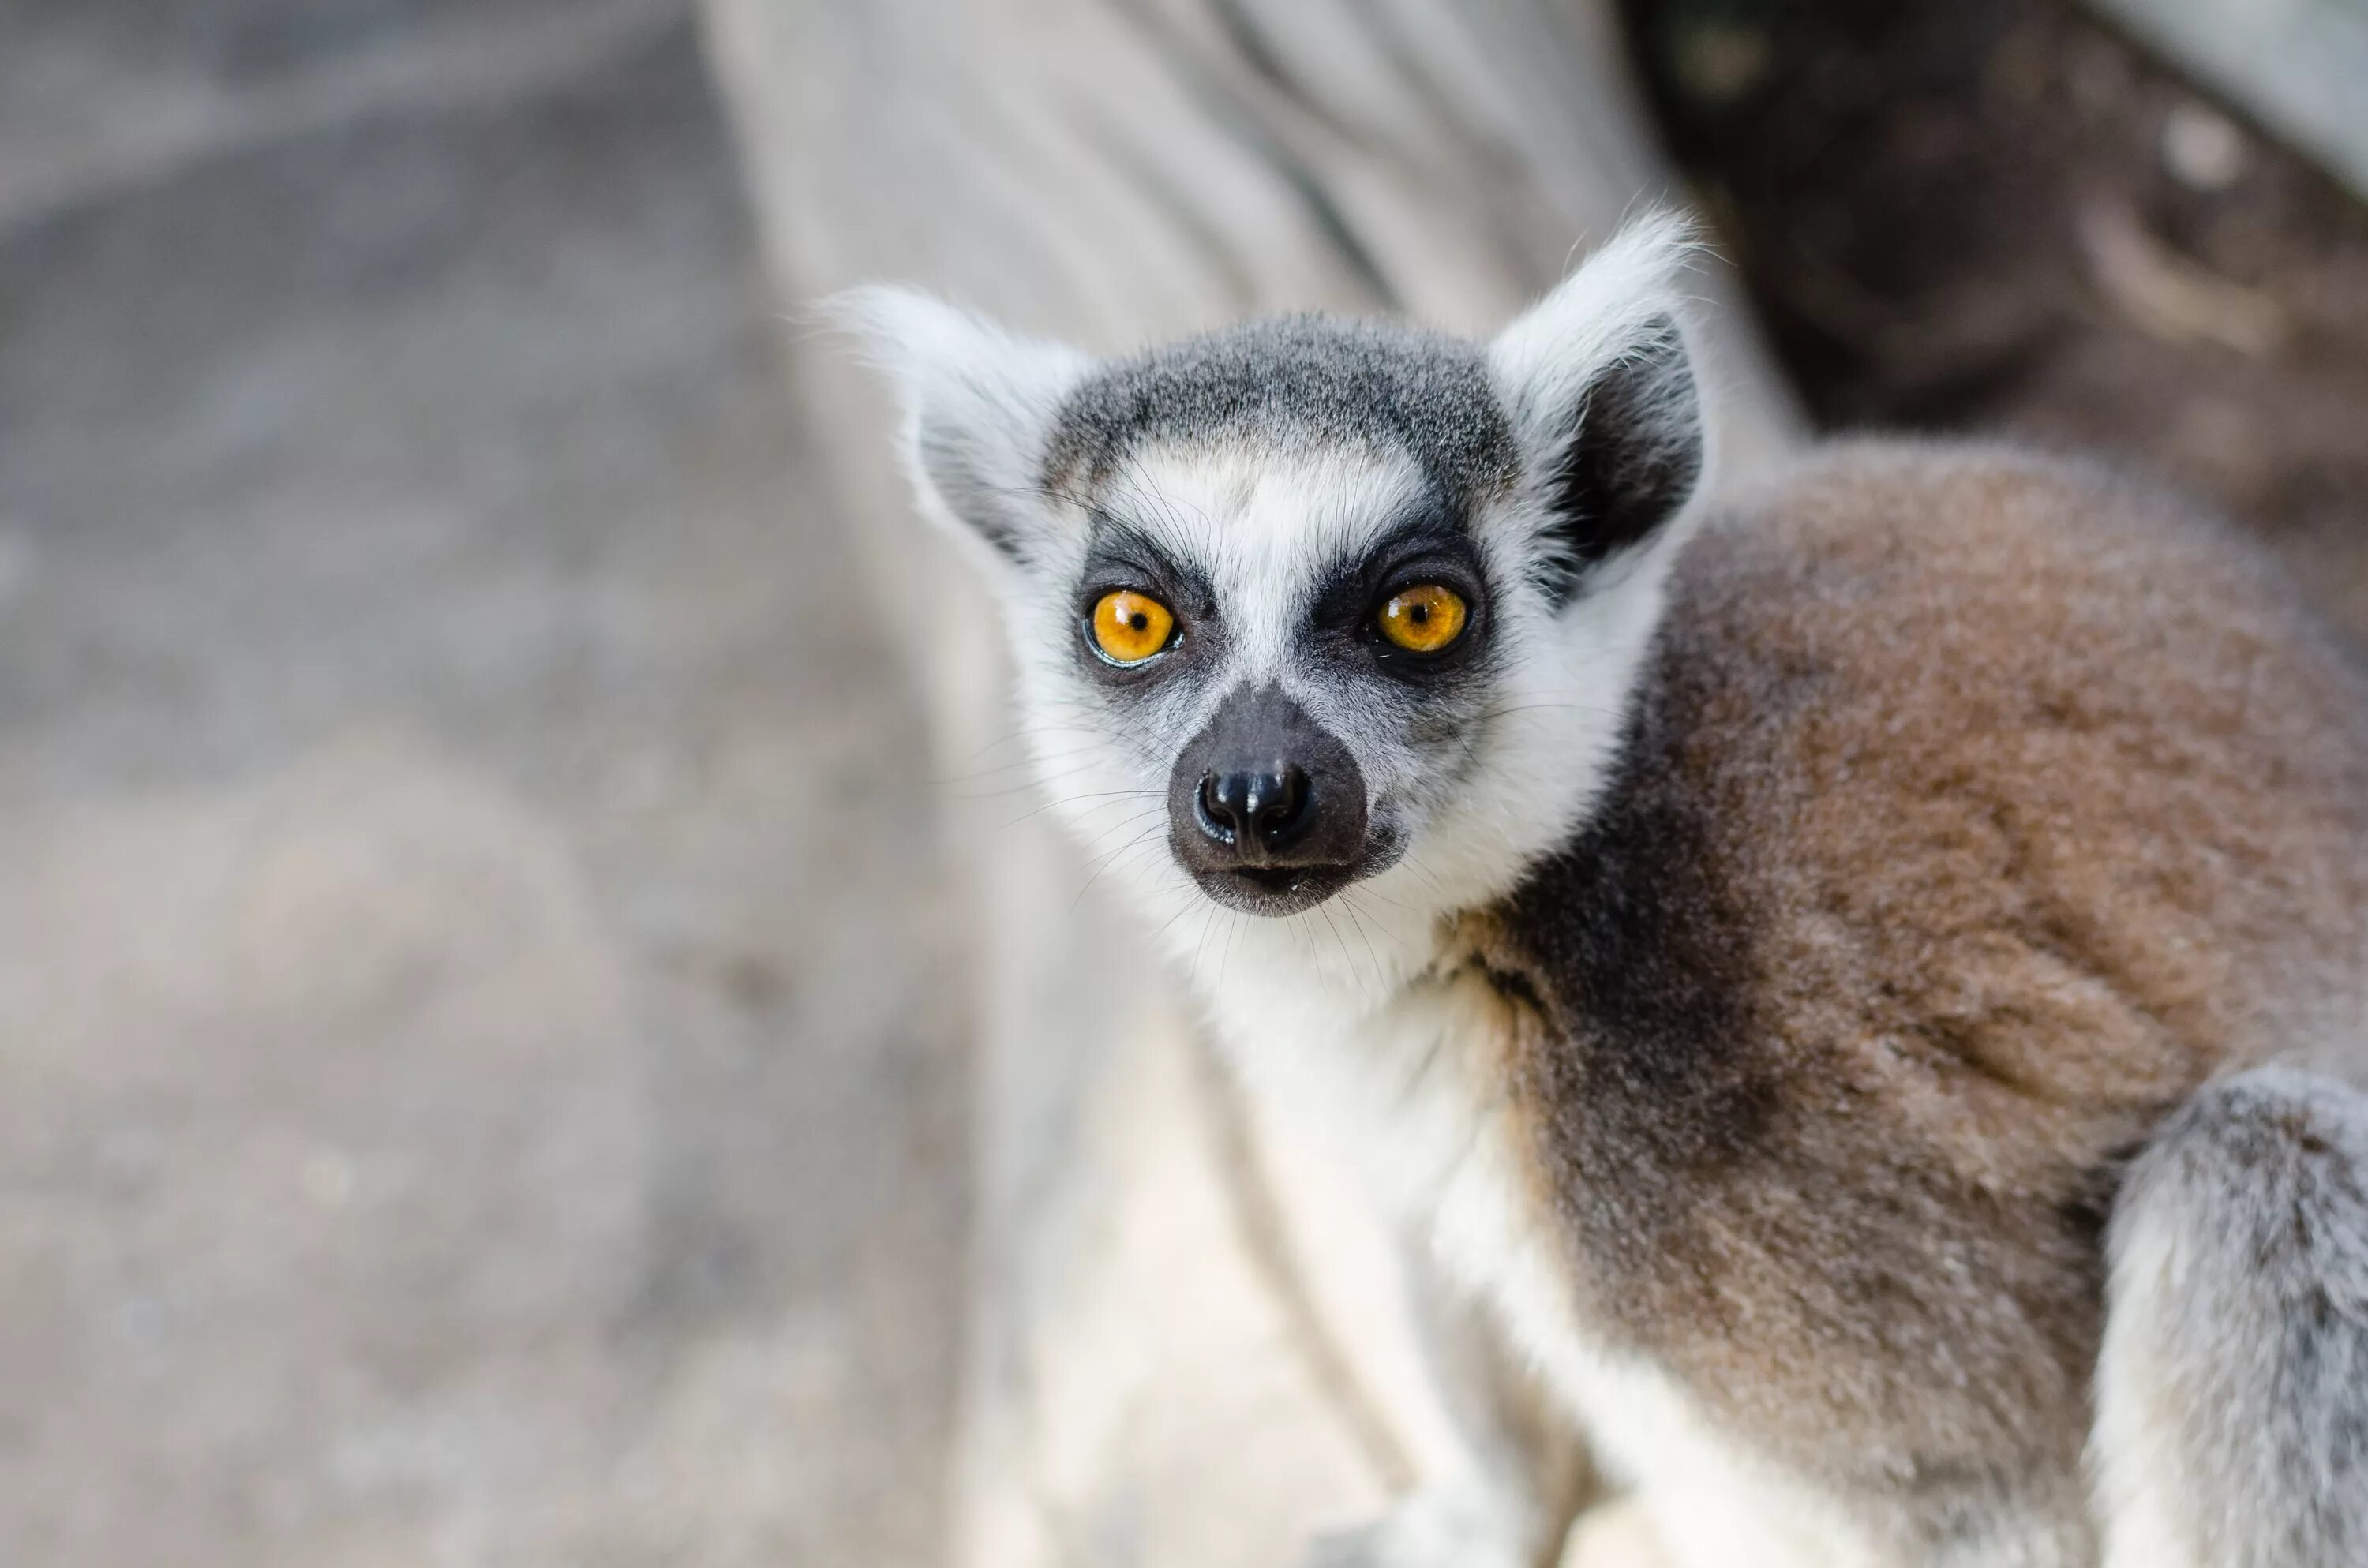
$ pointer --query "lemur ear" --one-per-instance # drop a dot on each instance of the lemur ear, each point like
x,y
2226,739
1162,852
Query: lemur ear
x,y
1599,384
979,404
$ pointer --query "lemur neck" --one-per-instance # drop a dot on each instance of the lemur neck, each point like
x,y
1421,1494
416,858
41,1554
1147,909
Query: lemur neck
x,y
1344,962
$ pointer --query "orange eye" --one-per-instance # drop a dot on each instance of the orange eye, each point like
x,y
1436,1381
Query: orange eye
x,y
1423,619
1130,627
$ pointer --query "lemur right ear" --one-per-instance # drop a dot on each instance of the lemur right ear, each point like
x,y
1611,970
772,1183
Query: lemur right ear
x,y
979,404
1599,384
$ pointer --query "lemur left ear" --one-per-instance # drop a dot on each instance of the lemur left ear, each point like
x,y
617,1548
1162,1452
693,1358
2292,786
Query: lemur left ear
x,y
979,406
1599,384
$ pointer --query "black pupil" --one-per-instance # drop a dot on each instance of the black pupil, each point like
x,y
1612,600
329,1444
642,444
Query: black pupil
x,y
1139,620
1419,613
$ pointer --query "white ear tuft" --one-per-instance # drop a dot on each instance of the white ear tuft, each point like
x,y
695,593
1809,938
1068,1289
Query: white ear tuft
x,y
1599,379
979,402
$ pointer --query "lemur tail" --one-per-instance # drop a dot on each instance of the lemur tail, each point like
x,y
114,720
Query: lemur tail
x,y
2232,1395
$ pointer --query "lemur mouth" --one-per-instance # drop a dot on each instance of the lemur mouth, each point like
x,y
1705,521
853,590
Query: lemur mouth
x,y
1274,889
1278,890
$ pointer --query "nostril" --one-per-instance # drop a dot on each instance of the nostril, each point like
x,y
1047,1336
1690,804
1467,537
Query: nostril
x,y
1254,814
1220,802
1277,804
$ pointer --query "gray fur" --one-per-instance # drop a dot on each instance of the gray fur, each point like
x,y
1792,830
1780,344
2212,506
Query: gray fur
x,y
2253,1293
1298,379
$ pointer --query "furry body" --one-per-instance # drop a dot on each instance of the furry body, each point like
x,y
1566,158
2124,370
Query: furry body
x,y
1781,1111
1772,940
1942,869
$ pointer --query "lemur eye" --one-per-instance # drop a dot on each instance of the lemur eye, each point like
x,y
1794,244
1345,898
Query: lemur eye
x,y
1130,627
1423,619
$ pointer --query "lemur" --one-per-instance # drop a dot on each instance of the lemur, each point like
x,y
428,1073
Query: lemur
x,y
1865,979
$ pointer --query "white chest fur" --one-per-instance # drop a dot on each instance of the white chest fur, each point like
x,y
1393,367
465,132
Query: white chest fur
x,y
1416,1095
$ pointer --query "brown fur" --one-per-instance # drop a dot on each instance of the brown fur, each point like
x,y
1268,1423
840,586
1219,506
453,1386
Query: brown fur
x,y
1977,809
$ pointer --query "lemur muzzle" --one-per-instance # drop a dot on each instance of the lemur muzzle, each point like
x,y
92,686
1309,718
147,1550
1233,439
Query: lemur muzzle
x,y
1265,807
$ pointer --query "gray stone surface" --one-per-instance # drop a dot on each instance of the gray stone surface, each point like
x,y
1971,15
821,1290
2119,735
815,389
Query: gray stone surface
x,y
476,1079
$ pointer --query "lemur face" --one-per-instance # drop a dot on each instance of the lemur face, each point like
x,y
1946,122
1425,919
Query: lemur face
x,y
1303,636
1308,604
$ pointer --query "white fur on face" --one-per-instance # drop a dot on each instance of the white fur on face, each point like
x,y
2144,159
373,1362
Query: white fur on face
x,y
1266,527
1263,528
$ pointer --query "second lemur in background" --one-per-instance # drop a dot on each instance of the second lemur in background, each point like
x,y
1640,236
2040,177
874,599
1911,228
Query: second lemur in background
x,y
1866,980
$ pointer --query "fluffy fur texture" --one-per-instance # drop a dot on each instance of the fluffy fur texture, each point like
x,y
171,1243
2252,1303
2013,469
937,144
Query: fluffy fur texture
x,y
1977,809
1776,937
2232,1426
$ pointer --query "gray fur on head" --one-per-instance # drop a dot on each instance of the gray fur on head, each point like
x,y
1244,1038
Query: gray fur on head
x,y
1588,402
1294,379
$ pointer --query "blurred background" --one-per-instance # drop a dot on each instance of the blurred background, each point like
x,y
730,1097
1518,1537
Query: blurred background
x,y
535,1026
465,1094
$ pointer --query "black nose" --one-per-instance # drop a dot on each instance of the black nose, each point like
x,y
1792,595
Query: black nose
x,y
1266,808
1255,811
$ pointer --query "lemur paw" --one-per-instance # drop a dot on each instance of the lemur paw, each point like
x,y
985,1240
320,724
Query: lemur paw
x,y
1439,1529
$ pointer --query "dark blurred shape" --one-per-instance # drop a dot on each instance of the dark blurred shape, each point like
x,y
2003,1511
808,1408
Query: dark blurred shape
x,y
2003,215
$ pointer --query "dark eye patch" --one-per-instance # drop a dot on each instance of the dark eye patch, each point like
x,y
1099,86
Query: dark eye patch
x,y
1429,548
1121,556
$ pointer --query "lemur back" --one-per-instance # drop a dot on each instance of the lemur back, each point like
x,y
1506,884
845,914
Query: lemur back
x,y
1976,809
1872,989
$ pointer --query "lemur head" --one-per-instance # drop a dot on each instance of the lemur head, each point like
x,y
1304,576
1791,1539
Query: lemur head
x,y
1307,604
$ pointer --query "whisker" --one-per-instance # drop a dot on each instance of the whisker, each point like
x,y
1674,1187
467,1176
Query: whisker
x,y
1072,800
1108,861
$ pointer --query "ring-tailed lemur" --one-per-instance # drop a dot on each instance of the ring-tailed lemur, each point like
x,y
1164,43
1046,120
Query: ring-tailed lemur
x,y
1870,989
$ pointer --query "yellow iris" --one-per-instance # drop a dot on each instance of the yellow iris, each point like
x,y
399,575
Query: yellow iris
x,y
1423,619
1130,627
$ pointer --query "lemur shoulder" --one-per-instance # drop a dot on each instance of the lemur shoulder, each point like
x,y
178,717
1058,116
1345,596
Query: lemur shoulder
x,y
1867,978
